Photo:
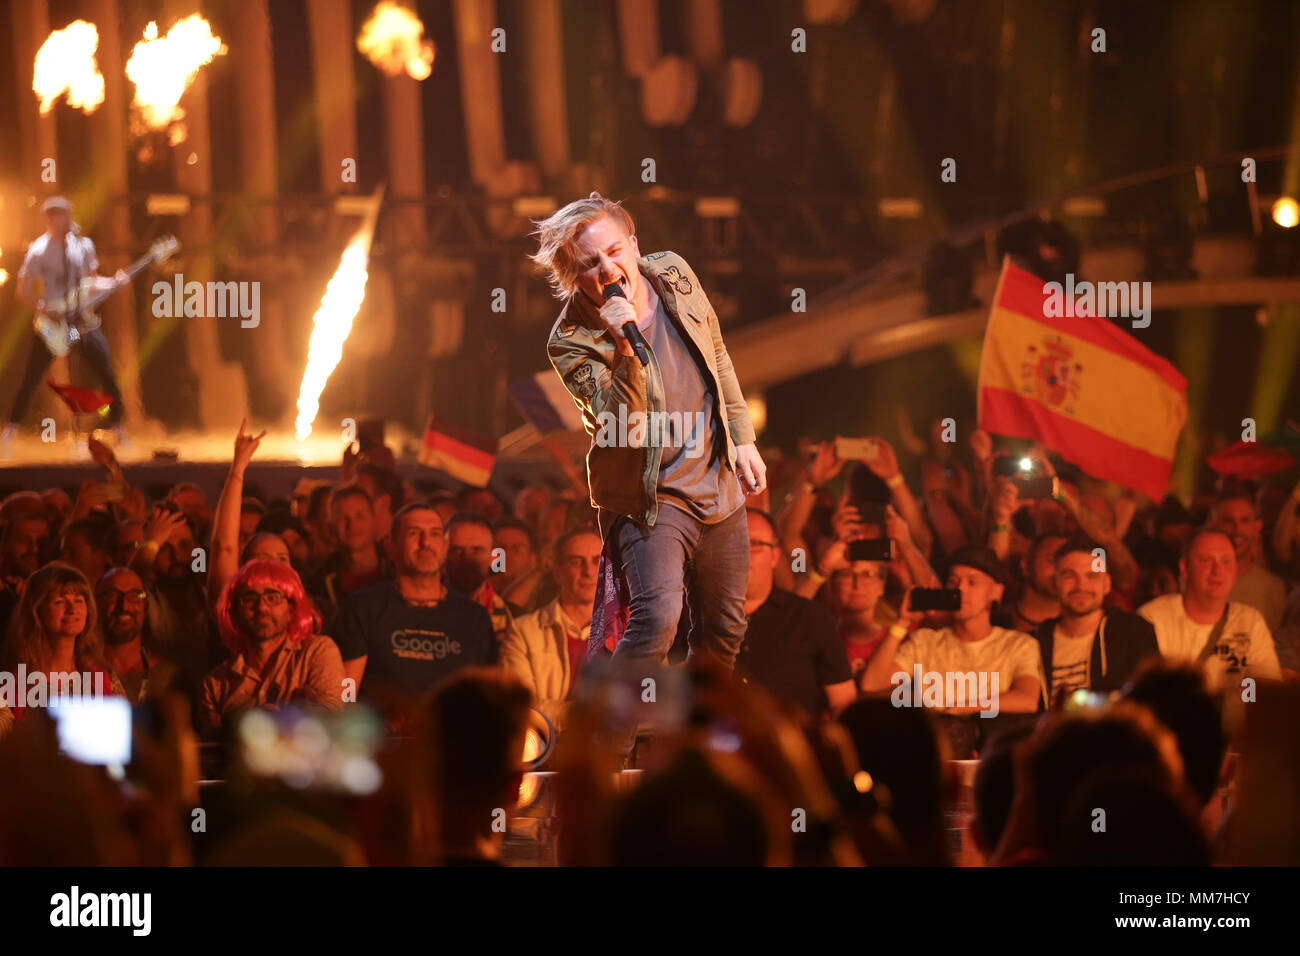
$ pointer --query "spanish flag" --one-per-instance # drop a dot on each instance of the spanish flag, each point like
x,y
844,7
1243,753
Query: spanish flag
x,y
1080,386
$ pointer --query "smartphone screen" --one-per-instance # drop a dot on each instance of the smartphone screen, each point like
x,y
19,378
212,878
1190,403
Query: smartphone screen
x,y
871,549
1042,486
936,599
857,449
94,730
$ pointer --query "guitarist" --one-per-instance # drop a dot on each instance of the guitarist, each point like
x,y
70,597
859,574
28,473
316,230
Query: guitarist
x,y
59,260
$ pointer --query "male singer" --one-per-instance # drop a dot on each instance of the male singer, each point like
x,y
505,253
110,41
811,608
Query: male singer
x,y
670,500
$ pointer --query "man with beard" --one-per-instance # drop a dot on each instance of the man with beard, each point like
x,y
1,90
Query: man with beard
x,y
469,562
547,648
1038,600
1087,647
165,562
277,657
407,635
123,607
23,543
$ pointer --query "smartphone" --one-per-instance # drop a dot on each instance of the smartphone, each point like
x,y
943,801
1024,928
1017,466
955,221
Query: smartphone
x,y
871,549
94,730
1038,486
370,434
859,449
1011,466
936,599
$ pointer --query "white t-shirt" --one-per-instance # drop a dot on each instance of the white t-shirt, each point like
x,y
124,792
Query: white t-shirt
x,y
47,261
1071,660
1244,647
1010,654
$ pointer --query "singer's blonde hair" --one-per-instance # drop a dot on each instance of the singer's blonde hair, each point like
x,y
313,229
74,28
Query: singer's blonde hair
x,y
557,235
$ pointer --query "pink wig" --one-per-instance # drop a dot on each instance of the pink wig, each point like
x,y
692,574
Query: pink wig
x,y
304,619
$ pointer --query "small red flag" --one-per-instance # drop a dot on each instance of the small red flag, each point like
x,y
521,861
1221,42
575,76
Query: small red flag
x,y
1249,460
82,401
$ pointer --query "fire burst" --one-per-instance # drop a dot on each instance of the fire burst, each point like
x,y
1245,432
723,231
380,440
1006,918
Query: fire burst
x,y
65,63
162,68
332,324
393,39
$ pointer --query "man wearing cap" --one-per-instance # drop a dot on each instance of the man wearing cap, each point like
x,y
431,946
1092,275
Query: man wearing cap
x,y
59,259
1005,662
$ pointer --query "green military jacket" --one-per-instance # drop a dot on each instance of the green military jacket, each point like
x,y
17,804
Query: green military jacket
x,y
623,480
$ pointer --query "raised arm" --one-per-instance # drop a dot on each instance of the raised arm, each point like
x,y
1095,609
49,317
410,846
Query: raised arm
x,y
918,567
224,553
886,468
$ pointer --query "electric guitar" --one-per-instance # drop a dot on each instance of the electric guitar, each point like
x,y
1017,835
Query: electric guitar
x,y
67,318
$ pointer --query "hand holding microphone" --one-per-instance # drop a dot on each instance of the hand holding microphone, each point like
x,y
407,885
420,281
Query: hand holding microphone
x,y
620,315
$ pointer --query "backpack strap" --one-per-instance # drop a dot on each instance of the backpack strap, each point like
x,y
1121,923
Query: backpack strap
x,y
1213,639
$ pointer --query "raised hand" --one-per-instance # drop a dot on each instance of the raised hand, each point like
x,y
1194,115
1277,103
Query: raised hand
x,y
825,465
1006,500
896,528
885,463
162,525
846,522
245,446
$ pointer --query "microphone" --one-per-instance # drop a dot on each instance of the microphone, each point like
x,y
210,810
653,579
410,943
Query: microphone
x,y
630,331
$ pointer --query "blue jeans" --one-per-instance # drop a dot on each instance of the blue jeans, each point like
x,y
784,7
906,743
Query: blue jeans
x,y
680,562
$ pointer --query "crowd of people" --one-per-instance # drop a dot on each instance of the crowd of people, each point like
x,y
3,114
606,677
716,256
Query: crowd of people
x,y
1142,657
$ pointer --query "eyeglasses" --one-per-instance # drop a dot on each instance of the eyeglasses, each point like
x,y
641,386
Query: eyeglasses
x,y
856,576
113,595
249,600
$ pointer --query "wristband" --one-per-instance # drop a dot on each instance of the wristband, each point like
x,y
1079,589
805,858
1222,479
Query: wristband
x,y
897,630
816,574
894,480
1000,528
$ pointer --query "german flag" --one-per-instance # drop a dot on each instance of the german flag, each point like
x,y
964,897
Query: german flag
x,y
460,453
1081,386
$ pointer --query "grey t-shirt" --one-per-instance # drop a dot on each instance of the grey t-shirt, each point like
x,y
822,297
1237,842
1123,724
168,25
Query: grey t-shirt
x,y
693,473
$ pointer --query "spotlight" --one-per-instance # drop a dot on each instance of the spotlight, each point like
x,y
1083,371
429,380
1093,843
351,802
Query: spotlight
x,y
1286,212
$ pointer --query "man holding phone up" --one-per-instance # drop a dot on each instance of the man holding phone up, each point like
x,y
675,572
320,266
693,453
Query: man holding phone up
x,y
971,644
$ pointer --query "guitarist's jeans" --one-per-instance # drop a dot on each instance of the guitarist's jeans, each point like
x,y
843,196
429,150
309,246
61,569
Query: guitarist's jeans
x,y
93,349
